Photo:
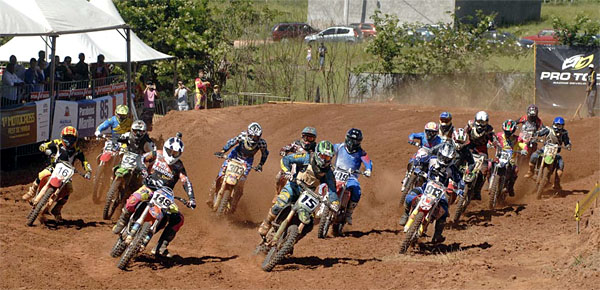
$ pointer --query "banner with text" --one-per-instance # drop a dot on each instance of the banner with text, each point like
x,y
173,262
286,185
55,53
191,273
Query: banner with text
x,y
18,126
561,74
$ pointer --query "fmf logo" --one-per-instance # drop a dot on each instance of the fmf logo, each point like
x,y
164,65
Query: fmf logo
x,y
577,62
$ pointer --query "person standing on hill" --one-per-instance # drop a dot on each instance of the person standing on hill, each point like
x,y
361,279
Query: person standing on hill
x,y
592,90
181,93
201,86
322,52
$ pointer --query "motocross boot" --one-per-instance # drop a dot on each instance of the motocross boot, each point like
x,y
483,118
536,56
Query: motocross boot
x,y
32,191
161,249
351,206
123,219
437,235
265,226
529,173
404,217
557,186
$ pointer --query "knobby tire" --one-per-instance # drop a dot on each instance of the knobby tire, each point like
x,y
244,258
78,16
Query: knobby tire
x,y
412,235
134,247
287,247
112,198
39,206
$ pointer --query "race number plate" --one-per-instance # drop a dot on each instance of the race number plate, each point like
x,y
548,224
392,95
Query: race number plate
x,y
309,202
434,189
550,150
341,176
62,171
129,160
235,168
505,155
162,200
108,145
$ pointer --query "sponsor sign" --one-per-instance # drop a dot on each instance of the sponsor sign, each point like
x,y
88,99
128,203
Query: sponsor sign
x,y
86,123
18,126
561,74
104,110
65,114
43,120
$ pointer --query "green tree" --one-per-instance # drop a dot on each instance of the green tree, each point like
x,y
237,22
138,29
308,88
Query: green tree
x,y
582,32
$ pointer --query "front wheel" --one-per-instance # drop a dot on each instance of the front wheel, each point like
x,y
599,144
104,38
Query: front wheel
x,y
494,191
134,247
541,182
113,198
275,256
224,203
40,206
413,233
461,206
118,248
98,182
324,223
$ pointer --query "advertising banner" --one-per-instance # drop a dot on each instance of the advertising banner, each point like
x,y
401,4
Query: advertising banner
x,y
43,120
561,73
65,114
18,126
86,123
104,110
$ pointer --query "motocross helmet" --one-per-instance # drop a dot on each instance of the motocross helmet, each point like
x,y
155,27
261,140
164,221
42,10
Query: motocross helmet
x,y
122,111
353,139
138,130
509,127
558,124
446,153
68,136
309,137
481,121
253,136
324,154
172,150
460,138
431,130
532,112
445,121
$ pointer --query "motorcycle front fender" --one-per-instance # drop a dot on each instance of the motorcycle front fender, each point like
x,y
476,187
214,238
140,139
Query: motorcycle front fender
x,y
105,157
55,182
121,172
549,159
231,180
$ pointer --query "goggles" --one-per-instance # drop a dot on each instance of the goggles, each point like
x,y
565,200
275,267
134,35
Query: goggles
x,y
173,153
308,138
325,157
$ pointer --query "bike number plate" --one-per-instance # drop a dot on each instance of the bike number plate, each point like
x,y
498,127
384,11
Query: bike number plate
x,y
341,176
62,171
235,168
550,150
162,200
505,155
108,145
434,189
129,160
309,202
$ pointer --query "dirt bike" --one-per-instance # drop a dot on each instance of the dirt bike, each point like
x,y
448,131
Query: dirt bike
x,y
529,142
125,177
502,170
328,218
423,213
105,159
144,223
226,198
51,190
545,167
470,177
287,228
416,171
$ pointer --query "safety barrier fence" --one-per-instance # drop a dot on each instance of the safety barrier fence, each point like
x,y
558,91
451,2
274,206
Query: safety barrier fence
x,y
584,205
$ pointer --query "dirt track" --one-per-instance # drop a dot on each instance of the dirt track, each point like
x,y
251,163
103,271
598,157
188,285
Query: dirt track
x,y
526,244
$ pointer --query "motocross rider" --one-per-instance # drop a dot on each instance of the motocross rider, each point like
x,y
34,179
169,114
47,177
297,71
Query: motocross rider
x,y
310,168
137,141
557,134
480,134
446,127
306,144
443,169
507,140
64,149
166,170
350,155
248,144
120,123
530,123
428,139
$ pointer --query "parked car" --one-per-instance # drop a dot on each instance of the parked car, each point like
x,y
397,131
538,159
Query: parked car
x,y
497,37
291,30
365,30
545,36
334,34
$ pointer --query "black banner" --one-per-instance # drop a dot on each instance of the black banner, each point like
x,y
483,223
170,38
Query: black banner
x,y
561,74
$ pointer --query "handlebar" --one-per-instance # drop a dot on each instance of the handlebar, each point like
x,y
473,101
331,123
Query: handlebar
x,y
313,194
255,168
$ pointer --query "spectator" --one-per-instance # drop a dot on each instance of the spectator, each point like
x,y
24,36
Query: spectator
x,y
216,99
592,90
201,85
67,69
19,69
10,83
308,56
181,93
34,76
57,70
100,70
322,52
42,63
150,95
82,70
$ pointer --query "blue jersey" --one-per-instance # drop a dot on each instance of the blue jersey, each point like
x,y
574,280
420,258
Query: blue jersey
x,y
246,153
352,161
117,127
444,175
423,139
302,162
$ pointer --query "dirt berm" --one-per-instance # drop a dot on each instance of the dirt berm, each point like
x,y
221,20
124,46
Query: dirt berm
x,y
525,244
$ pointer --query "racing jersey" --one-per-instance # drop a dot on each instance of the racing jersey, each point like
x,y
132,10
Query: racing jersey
x,y
510,143
553,137
530,126
116,126
478,141
162,174
351,161
446,135
143,145
295,147
311,175
244,152
423,139
59,152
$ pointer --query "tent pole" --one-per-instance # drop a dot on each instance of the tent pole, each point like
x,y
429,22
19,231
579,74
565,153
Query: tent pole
x,y
129,98
52,73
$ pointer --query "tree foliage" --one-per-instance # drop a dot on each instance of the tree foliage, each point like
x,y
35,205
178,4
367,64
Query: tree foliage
x,y
582,32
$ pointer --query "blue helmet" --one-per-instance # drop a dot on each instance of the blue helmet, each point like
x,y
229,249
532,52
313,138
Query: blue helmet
x,y
558,123
445,121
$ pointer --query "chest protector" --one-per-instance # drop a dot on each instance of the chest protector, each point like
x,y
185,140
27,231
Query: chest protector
x,y
309,177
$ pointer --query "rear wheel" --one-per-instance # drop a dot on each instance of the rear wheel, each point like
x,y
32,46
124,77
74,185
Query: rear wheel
x,y
275,256
40,206
541,182
134,247
410,184
413,233
461,206
99,182
113,198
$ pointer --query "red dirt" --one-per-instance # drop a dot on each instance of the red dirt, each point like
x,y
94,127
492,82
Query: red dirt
x,y
523,245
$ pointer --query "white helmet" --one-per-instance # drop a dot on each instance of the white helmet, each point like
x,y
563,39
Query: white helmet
x,y
172,150
253,135
481,119
138,129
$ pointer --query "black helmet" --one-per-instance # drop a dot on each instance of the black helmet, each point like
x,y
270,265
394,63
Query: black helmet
x,y
353,139
309,137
